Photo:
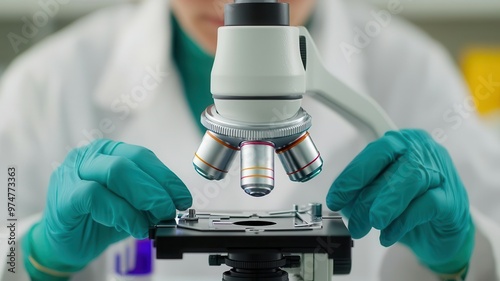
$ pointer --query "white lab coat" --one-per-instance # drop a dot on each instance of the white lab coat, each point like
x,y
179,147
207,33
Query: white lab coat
x,y
111,75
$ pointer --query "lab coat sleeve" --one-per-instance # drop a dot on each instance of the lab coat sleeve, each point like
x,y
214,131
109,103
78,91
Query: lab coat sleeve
x,y
27,136
24,140
47,109
46,103
419,86
19,132
30,142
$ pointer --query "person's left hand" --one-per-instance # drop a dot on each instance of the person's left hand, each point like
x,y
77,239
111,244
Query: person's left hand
x,y
406,185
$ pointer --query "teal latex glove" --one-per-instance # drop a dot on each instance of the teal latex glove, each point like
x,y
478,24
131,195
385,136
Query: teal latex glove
x,y
406,185
101,194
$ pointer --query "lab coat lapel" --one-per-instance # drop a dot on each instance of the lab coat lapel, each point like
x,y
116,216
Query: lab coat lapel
x,y
142,68
143,47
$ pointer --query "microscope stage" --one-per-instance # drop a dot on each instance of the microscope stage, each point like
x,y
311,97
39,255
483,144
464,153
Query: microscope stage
x,y
245,232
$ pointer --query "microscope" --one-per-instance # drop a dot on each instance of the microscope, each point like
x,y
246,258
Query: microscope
x,y
263,64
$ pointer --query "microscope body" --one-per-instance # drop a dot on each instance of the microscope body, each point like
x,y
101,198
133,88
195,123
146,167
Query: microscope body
x,y
263,67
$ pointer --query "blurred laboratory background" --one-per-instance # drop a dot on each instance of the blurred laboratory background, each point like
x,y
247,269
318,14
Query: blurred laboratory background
x,y
470,30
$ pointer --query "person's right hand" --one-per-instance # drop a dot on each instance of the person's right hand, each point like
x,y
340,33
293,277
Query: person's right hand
x,y
101,194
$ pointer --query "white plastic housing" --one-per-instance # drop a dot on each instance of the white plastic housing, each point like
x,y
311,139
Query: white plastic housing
x,y
258,61
359,109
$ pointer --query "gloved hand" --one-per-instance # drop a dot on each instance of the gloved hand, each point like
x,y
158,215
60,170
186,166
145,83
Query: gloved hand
x,y
101,194
405,185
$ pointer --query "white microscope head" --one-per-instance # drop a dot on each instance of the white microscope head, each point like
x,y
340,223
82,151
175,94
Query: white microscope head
x,y
264,66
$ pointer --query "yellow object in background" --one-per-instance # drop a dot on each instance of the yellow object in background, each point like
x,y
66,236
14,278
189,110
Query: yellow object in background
x,y
481,68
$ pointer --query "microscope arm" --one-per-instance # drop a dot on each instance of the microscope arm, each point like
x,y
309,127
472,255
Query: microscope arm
x,y
360,110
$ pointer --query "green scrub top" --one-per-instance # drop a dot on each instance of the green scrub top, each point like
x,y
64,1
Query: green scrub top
x,y
195,66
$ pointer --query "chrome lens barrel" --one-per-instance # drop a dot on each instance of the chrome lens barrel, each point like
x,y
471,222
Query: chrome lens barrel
x,y
214,157
301,159
258,142
257,167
